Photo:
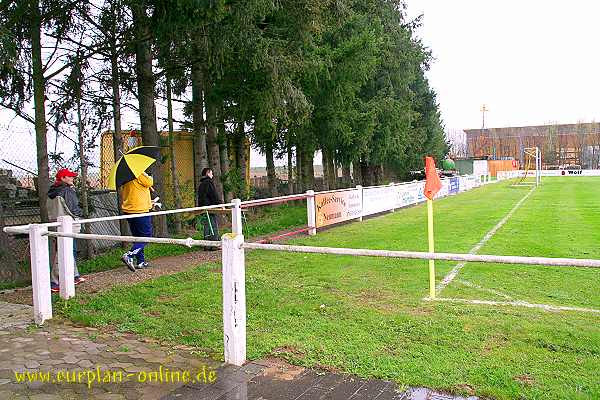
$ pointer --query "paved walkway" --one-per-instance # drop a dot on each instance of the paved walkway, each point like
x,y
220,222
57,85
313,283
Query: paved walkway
x,y
87,363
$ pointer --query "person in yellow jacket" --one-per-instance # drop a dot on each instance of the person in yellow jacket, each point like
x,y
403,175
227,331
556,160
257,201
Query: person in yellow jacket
x,y
137,200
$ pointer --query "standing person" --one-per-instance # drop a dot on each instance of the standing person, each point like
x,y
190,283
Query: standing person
x,y
136,200
62,200
207,196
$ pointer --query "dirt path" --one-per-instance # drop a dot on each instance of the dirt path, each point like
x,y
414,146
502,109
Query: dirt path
x,y
104,280
100,281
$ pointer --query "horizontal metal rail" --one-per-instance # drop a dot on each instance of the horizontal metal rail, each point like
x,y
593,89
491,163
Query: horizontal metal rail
x,y
273,200
562,262
189,242
17,230
118,217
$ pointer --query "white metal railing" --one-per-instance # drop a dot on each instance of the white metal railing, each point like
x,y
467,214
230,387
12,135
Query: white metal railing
x,y
420,255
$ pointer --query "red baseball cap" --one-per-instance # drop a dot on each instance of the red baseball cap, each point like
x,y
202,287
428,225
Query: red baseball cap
x,y
65,172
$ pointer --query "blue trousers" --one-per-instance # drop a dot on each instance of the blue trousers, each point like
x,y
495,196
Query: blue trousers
x,y
142,227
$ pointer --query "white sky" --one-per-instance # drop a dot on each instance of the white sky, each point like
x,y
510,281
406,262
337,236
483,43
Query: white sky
x,y
530,61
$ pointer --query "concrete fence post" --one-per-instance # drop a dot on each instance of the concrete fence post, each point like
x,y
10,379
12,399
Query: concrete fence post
x,y
311,212
66,258
234,299
40,273
236,217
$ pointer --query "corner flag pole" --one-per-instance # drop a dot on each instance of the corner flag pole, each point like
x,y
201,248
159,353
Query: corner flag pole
x,y
431,248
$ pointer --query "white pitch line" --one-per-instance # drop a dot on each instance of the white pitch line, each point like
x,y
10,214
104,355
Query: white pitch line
x,y
452,274
481,288
518,303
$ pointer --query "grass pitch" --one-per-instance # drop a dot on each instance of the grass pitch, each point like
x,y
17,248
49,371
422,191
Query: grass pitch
x,y
367,315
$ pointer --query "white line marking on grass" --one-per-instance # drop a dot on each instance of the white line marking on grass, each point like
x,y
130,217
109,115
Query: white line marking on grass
x,y
483,289
517,303
452,274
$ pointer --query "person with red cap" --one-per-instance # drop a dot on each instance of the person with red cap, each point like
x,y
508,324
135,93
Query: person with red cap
x,y
62,200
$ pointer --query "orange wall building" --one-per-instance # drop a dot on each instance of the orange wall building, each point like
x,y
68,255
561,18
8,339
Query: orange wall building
x,y
561,145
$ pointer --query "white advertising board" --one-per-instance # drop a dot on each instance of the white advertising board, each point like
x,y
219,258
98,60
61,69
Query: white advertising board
x,y
480,167
379,199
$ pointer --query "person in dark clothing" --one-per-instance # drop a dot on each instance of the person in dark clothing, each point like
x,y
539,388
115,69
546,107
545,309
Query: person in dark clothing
x,y
62,200
208,196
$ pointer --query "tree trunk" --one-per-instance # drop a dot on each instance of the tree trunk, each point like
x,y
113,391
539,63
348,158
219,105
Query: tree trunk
x,y
117,136
242,159
225,169
39,99
356,171
200,154
299,170
365,173
88,248
290,168
346,175
212,146
325,165
174,178
309,169
147,108
378,173
332,170
271,177
224,154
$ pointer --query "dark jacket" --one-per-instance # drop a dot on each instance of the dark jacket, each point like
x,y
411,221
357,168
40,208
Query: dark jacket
x,y
207,194
68,194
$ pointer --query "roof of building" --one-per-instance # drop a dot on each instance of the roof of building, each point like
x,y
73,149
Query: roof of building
x,y
538,130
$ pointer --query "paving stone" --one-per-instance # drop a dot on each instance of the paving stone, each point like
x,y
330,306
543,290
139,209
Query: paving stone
x,y
32,364
70,359
44,396
85,364
110,396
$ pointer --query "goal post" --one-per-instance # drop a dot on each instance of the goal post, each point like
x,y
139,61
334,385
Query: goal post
x,y
533,167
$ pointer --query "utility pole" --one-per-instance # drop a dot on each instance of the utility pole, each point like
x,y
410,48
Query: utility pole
x,y
483,110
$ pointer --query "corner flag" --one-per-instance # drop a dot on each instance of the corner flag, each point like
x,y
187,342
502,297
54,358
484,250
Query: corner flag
x,y
433,183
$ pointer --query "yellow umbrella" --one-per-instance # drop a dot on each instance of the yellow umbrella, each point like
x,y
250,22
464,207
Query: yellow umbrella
x,y
133,163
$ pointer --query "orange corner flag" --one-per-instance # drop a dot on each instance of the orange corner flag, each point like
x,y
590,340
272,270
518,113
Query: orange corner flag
x,y
433,183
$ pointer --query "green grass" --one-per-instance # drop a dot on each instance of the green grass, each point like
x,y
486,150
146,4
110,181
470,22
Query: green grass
x,y
259,221
366,315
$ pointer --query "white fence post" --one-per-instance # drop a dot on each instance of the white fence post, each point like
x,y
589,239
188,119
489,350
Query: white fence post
x,y
66,260
311,213
236,217
359,187
234,299
40,273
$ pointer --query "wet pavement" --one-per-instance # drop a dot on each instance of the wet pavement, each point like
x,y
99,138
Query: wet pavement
x,y
61,360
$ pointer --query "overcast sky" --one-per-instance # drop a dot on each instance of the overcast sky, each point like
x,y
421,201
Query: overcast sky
x,y
530,61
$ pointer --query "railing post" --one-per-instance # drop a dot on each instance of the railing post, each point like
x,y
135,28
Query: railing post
x,y
236,217
66,259
311,213
40,273
359,187
234,299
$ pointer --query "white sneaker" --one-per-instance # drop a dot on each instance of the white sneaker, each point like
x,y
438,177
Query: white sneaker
x,y
128,260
